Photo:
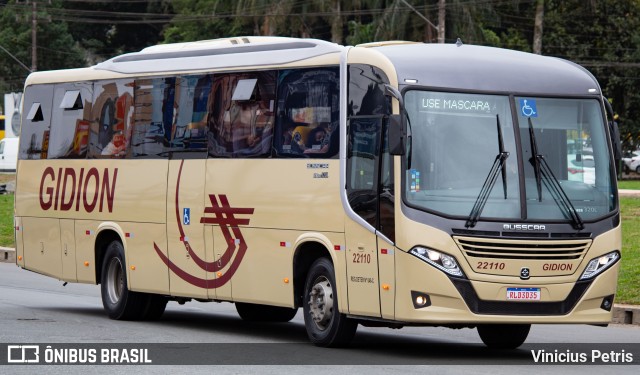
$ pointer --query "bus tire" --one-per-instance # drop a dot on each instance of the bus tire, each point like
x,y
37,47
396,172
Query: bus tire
x,y
119,302
251,312
155,307
325,325
503,336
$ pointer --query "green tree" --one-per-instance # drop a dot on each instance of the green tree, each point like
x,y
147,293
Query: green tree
x,y
108,28
56,48
604,37
206,19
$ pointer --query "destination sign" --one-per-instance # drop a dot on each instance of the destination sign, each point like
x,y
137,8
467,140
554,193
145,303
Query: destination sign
x,y
461,105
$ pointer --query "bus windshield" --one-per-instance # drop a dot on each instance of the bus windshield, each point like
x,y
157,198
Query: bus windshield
x,y
570,136
458,139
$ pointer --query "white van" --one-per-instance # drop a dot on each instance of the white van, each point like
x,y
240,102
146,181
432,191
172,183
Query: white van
x,y
8,154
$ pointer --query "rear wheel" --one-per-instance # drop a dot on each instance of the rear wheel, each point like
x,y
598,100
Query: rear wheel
x,y
118,301
638,169
325,325
503,336
263,313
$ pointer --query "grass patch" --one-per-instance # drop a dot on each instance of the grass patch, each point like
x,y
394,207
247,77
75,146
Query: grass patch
x,y
629,184
6,220
628,279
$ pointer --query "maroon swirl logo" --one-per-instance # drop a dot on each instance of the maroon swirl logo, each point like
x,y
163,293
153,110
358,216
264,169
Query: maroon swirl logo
x,y
225,216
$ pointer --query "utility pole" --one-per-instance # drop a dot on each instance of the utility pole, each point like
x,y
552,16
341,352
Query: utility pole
x,y
34,28
537,27
34,36
441,17
441,14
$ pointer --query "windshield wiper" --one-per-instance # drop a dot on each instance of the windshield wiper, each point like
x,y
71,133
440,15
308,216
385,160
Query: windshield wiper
x,y
499,165
535,161
542,170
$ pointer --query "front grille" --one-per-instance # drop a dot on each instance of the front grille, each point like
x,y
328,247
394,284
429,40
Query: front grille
x,y
475,247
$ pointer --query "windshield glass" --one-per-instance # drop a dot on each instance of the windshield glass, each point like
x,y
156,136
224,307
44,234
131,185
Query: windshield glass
x,y
454,144
455,150
570,136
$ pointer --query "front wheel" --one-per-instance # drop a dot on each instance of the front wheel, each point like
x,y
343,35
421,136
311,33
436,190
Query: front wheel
x,y
325,325
118,301
503,336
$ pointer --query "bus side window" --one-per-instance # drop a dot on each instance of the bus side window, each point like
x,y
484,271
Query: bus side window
x,y
241,114
308,113
110,120
187,137
36,122
70,119
153,109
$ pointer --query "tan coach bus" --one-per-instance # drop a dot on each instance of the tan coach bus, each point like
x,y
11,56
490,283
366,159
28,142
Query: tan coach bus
x,y
391,183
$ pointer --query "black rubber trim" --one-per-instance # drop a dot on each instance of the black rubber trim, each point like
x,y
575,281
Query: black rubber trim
x,y
478,306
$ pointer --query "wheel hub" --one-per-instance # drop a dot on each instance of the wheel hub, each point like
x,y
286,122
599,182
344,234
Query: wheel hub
x,y
115,280
321,303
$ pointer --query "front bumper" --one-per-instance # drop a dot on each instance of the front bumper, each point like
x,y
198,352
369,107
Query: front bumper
x,y
462,301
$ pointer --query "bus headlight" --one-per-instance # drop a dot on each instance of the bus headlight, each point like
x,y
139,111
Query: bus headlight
x,y
599,264
439,260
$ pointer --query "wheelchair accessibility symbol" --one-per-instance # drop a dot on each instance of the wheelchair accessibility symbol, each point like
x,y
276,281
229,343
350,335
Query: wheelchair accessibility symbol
x,y
186,216
528,108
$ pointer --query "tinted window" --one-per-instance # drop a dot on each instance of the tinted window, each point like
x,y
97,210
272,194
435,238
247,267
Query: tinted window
x,y
36,121
241,114
366,91
187,137
308,113
369,166
153,117
71,116
110,130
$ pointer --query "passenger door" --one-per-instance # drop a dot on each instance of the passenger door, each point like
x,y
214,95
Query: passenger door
x,y
362,192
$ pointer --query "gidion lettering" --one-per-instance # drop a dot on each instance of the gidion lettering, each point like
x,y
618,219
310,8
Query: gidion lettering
x,y
67,189
557,267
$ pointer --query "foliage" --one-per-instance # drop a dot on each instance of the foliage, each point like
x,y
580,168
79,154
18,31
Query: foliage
x,y
188,25
359,33
603,36
57,49
628,280
134,25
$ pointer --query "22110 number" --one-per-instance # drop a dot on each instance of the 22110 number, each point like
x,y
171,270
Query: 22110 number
x,y
361,258
490,266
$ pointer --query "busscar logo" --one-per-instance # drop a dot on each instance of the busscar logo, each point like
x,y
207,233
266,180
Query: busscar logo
x,y
525,273
23,354
530,227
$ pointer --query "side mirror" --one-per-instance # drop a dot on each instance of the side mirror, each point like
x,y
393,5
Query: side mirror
x,y
396,129
397,135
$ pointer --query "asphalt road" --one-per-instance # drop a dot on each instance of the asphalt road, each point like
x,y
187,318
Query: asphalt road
x,y
38,309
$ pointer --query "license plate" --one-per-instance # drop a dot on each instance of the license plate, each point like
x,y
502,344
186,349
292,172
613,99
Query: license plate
x,y
523,294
